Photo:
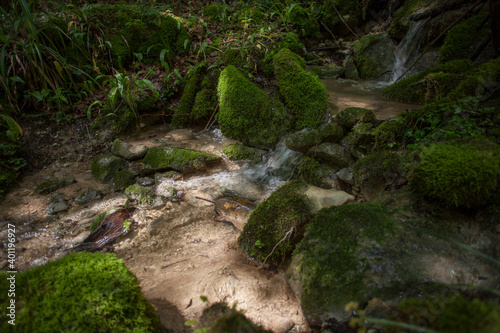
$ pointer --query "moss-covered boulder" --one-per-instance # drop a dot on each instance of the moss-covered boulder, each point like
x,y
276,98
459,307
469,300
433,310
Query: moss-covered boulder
x,y
178,159
84,292
141,194
351,116
247,113
331,132
237,152
390,132
127,151
273,227
122,179
333,153
303,140
205,102
51,185
376,172
183,113
304,95
105,167
330,71
374,56
462,174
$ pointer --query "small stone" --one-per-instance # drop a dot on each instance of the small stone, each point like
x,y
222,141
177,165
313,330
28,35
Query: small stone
x,y
146,181
127,151
87,196
57,206
346,175
321,198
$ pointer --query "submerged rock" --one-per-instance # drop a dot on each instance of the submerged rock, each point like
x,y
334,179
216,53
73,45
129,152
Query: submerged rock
x,y
51,185
105,167
128,151
234,210
178,159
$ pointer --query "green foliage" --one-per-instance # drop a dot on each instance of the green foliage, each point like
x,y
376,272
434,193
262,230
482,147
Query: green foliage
x,y
81,292
272,228
183,112
237,152
429,85
451,313
462,174
301,20
353,13
481,82
216,12
462,40
247,113
309,171
11,163
303,93
390,133
331,273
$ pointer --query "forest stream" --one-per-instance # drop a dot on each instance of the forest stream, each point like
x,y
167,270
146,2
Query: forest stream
x,y
179,252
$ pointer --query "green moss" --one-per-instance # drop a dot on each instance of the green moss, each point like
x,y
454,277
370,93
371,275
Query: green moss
x,y
184,160
272,228
206,99
183,112
292,42
458,174
142,195
456,313
481,81
119,120
408,8
304,95
390,132
462,40
247,113
215,12
105,167
303,140
51,185
237,152
309,171
81,292
430,84
351,116
96,220
366,67
232,57
331,272
122,179
331,132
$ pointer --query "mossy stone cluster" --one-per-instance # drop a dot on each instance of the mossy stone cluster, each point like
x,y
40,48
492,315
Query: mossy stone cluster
x,y
237,152
328,268
349,117
84,292
304,95
247,113
130,30
141,194
274,226
178,159
462,174
105,167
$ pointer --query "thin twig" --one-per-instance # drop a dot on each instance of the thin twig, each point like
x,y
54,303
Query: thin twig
x,y
213,114
275,246
340,15
331,33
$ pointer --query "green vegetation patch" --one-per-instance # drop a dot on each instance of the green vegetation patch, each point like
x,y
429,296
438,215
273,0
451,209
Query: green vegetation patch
x,y
122,179
462,174
309,171
305,24
328,264
51,185
237,152
183,160
303,93
11,163
462,40
456,313
142,195
81,292
273,227
247,113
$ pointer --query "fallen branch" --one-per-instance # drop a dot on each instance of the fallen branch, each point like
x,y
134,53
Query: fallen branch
x,y
340,15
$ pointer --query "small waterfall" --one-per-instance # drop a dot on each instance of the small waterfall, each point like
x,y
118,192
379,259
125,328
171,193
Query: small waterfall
x,y
408,49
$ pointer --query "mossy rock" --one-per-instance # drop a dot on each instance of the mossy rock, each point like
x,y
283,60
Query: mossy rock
x,y
178,159
303,140
303,93
183,113
462,174
237,152
128,152
333,153
400,23
351,116
373,172
120,120
292,42
374,56
326,271
142,195
84,292
247,113
87,195
51,185
309,171
205,101
330,71
429,85
219,317
331,132
105,167
462,40
457,313
273,227
390,132
122,179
